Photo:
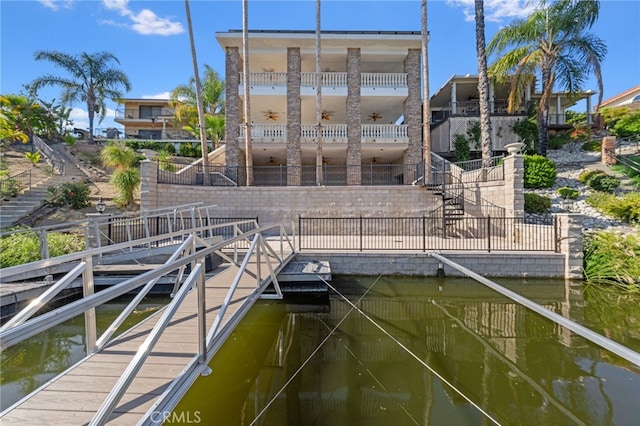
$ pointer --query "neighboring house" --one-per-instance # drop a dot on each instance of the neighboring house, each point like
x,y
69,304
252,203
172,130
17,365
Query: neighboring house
x,y
455,109
148,119
629,98
371,99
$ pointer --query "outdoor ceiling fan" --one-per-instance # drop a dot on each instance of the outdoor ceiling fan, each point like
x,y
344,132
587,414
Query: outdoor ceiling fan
x,y
326,115
270,115
375,117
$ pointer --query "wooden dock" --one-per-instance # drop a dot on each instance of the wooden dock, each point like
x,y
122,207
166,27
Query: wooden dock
x,y
75,396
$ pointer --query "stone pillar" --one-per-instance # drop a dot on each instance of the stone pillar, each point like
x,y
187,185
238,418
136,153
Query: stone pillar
x,y
232,111
514,186
148,185
354,118
492,98
294,117
570,238
413,114
608,155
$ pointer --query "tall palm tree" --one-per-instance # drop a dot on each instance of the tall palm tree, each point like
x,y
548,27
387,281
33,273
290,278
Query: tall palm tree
x,y
483,85
555,44
426,105
198,89
92,79
319,174
247,88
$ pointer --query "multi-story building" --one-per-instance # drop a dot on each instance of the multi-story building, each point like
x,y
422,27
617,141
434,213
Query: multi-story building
x,y
148,119
371,102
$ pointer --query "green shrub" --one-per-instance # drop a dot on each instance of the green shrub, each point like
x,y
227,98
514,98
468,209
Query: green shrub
x,y
604,183
610,258
592,146
461,149
558,141
170,149
187,149
539,172
17,249
625,208
10,187
586,176
566,192
537,204
75,195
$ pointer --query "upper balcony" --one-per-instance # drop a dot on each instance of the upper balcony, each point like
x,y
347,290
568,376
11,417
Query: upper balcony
x,y
333,83
331,133
151,114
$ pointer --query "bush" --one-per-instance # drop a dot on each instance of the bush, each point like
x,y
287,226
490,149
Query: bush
x,y
566,192
187,149
592,146
17,249
75,195
539,172
586,176
610,258
558,141
625,208
461,149
604,183
537,204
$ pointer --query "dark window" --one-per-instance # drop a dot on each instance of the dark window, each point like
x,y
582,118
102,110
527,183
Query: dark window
x,y
150,111
150,134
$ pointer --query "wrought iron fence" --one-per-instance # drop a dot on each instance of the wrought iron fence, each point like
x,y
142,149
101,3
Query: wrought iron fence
x,y
429,233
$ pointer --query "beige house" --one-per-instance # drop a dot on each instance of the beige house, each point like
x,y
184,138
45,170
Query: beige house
x,y
148,119
629,98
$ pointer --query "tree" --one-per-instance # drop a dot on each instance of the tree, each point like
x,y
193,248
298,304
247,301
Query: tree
x,y
184,100
199,102
483,85
426,105
126,175
17,117
319,174
248,147
92,79
553,43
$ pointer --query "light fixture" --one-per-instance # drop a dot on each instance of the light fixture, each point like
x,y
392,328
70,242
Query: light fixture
x,y
100,206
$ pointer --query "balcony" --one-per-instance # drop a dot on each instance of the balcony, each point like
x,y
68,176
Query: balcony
x,y
369,133
329,79
136,114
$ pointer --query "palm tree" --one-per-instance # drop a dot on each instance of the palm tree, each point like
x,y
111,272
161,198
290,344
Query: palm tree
x,y
483,85
248,148
184,100
555,44
126,175
92,79
319,174
426,107
199,102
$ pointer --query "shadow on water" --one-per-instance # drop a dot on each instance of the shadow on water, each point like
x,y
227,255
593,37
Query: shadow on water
x,y
298,365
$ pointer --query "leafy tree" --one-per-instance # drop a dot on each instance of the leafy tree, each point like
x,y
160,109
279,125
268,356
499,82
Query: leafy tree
x,y
92,79
18,114
126,175
554,44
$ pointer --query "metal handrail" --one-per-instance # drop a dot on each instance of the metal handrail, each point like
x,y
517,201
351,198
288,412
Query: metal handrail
x,y
138,360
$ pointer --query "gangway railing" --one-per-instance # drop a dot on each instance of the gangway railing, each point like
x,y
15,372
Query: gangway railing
x,y
598,339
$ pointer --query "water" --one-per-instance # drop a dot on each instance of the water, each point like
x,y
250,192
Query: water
x,y
498,357
34,361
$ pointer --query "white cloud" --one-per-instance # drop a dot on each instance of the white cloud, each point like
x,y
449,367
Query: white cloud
x,y
56,4
163,95
80,118
497,10
145,22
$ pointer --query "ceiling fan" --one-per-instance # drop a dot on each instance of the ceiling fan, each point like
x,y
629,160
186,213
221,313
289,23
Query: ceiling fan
x,y
375,117
326,115
270,115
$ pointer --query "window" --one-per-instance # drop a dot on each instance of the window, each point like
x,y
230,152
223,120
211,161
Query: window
x,y
147,111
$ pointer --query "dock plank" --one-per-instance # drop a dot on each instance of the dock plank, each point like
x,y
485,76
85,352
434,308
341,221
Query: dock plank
x,y
75,396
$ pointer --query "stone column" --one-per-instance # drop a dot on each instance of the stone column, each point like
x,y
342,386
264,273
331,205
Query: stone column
x,y
608,150
294,117
354,118
148,185
232,111
571,245
514,186
453,100
413,114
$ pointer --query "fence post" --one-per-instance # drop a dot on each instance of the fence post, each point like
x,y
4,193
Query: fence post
x,y
361,233
44,245
202,314
556,236
489,233
424,233
91,334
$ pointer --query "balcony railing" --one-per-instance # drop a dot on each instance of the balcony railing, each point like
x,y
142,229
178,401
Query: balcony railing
x,y
369,132
329,79
134,114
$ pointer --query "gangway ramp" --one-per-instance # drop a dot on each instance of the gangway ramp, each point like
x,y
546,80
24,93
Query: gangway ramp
x,y
151,365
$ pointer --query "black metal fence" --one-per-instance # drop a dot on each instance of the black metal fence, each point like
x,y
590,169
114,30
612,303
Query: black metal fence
x,y
121,230
334,175
429,233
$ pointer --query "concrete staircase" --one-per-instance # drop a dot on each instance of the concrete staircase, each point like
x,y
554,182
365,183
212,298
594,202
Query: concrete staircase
x,y
27,202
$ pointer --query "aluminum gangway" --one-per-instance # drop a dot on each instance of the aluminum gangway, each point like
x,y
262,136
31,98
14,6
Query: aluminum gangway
x,y
146,370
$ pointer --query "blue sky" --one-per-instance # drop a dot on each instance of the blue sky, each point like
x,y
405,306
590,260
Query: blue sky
x,y
152,44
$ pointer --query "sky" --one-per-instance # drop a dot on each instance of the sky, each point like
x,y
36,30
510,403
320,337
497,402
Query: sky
x,y
151,41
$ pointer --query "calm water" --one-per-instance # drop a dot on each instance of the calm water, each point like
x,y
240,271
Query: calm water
x,y
32,362
516,366
326,364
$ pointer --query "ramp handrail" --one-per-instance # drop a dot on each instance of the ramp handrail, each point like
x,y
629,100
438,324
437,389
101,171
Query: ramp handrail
x,y
590,335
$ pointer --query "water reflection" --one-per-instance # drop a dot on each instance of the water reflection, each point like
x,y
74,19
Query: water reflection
x,y
32,362
517,366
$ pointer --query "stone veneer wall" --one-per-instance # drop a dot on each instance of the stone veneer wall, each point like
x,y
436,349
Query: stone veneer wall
x,y
354,134
232,108
413,111
294,117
